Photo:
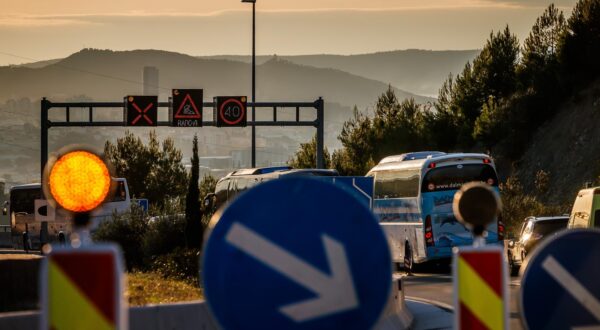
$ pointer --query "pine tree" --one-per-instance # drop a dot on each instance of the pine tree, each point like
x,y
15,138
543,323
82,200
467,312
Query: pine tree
x,y
539,64
306,155
580,48
152,171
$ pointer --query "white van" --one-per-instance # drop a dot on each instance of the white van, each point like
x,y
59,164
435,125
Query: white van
x,y
586,209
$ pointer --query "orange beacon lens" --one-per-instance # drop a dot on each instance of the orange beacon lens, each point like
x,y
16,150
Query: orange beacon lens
x,y
79,181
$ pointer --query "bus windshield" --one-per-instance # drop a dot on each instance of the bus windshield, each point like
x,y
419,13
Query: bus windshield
x,y
21,200
453,177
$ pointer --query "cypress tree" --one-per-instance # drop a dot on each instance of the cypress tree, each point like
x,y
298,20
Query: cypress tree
x,y
193,213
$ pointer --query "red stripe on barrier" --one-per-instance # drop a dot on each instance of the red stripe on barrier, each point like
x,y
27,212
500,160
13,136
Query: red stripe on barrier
x,y
93,273
486,264
468,320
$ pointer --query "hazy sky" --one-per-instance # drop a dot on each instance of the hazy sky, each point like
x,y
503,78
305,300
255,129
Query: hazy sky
x,y
38,30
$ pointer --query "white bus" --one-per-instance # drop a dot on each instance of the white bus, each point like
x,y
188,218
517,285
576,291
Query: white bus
x,y
413,196
238,181
21,212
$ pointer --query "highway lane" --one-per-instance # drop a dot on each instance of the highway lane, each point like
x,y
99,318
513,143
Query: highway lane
x,y
436,286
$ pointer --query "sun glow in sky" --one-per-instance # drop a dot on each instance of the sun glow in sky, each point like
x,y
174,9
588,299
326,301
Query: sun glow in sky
x,y
38,30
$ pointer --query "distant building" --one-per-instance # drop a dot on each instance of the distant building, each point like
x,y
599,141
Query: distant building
x,y
150,79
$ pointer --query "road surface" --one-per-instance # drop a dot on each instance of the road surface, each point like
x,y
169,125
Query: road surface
x,y
436,286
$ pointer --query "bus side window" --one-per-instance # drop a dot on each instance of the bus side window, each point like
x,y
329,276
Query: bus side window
x,y
221,191
241,184
232,190
396,184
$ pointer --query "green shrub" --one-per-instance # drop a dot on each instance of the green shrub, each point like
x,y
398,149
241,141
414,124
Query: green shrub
x,y
164,234
181,264
152,243
127,230
517,205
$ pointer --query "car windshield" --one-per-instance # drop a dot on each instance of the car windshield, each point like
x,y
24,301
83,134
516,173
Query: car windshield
x,y
549,226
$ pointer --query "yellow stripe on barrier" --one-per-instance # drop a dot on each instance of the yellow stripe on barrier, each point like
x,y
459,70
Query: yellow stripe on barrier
x,y
479,297
75,311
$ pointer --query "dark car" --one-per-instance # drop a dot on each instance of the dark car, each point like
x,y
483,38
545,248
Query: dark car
x,y
533,230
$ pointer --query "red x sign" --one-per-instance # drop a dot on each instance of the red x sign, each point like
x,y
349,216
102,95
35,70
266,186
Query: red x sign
x,y
142,107
142,113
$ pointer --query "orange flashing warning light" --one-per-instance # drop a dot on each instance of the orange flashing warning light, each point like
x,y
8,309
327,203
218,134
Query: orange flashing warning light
x,y
79,181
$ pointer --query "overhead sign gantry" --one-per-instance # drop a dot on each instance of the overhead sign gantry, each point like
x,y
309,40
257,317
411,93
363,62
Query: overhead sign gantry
x,y
185,110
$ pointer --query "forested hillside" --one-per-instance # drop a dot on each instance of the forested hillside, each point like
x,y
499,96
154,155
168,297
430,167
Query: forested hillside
x,y
532,105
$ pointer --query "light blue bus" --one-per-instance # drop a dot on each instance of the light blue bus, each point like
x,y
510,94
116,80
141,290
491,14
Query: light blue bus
x,y
413,196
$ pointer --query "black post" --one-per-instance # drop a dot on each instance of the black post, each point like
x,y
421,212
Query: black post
x,y
45,106
319,105
253,84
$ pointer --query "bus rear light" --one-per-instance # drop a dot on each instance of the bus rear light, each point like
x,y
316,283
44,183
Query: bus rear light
x,y
431,165
487,161
428,232
500,228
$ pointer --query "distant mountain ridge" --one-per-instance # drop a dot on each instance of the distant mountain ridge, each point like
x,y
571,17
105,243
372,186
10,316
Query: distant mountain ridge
x,y
415,70
39,64
109,75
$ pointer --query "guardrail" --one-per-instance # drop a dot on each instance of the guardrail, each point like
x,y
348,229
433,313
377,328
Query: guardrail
x,y
396,314
5,236
196,315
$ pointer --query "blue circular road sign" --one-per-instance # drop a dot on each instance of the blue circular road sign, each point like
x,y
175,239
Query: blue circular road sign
x,y
297,253
561,285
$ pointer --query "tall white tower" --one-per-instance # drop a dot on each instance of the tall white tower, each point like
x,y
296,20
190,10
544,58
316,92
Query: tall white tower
x,y
150,79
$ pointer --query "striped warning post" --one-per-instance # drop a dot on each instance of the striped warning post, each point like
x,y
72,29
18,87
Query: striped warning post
x,y
82,289
480,289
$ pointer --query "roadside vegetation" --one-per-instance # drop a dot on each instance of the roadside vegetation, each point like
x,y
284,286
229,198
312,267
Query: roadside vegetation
x,y
162,246
495,105
517,204
153,288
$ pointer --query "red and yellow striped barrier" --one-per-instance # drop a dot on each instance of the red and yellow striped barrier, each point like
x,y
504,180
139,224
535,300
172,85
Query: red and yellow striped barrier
x,y
480,289
82,290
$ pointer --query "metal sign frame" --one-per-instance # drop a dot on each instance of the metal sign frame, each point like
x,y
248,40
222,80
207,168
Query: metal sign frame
x,y
47,105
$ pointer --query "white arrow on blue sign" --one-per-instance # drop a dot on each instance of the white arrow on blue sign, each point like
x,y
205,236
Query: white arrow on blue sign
x,y
297,253
561,285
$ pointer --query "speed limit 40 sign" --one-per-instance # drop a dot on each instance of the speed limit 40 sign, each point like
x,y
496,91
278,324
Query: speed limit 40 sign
x,y
230,111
